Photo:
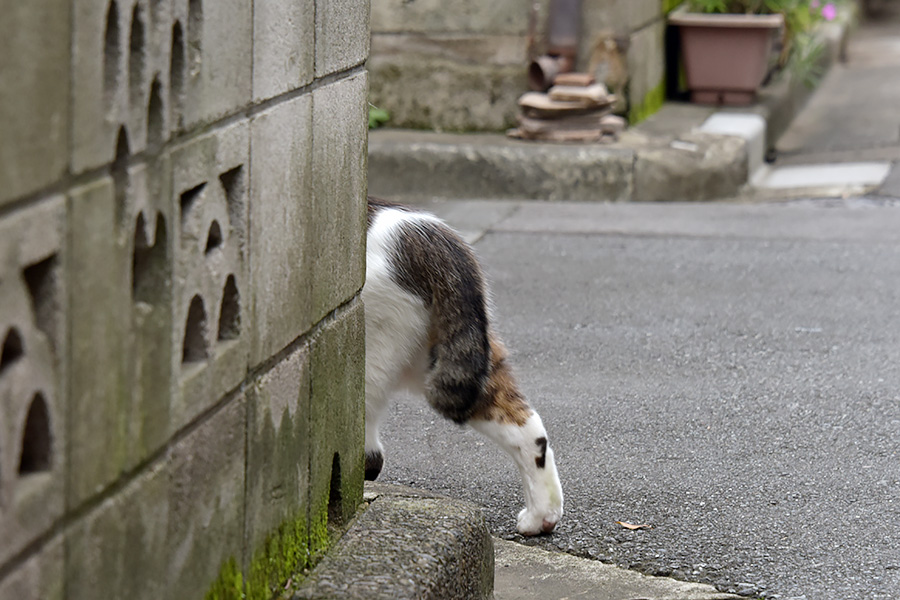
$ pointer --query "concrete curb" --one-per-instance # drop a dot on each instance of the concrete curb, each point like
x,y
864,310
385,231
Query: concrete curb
x,y
407,544
670,157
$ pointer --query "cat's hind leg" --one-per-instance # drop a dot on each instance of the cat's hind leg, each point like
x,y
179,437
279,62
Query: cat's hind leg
x,y
506,419
527,445
376,407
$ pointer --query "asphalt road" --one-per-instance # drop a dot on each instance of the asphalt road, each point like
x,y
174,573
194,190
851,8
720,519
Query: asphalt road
x,y
726,373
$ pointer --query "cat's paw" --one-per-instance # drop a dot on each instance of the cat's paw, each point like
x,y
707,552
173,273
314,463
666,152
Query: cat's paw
x,y
533,522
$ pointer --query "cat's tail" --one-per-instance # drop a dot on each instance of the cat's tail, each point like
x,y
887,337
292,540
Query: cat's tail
x,y
435,264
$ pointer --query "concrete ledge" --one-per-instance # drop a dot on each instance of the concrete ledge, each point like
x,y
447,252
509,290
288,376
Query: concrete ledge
x,y
421,164
665,158
407,544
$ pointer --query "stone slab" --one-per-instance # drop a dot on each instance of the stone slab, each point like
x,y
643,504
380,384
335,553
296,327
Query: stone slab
x,y
40,577
450,16
843,175
282,228
206,504
121,545
34,94
418,166
33,409
695,166
210,179
342,35
528,573
336,421
283,46
750,127
277,473
408,546
339,120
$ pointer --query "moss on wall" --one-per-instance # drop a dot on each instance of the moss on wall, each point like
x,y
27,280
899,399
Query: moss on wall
x,y
229,585
284,553
670,5
649,104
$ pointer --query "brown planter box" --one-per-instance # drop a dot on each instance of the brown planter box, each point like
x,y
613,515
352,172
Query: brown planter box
x,y
725,56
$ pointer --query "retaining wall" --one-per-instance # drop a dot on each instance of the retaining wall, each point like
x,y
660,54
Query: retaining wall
x,y
182,212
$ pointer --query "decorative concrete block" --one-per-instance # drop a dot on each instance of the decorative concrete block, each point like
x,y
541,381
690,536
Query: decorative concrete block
x,y
282,226
33,441
120,546
339,190
283,46
218,58
121,293
337,420
206,503
146,242
342,35
40,577
211,317
34,94
277,474
99,306
122,79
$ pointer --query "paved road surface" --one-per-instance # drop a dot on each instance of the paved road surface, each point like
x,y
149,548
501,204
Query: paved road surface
x,y
727,373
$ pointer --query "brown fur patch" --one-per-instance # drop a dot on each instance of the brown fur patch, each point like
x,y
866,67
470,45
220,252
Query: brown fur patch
x,y
504,402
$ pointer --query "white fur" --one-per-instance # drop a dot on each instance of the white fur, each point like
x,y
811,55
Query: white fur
x,y
543,492
396,323
396,357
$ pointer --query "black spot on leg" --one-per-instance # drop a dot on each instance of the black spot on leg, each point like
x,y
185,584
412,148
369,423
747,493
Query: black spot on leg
x,y
374,463
541,460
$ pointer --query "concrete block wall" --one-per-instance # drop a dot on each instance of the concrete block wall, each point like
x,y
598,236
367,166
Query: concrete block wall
x,y
459,65
182,220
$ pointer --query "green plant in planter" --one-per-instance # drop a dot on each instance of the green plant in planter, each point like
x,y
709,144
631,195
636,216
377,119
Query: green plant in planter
x,y
800,52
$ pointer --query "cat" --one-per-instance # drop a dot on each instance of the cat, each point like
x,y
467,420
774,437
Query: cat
x,y
428,329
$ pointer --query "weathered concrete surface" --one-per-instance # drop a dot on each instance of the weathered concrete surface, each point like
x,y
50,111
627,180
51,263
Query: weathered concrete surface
x,y
663,159
530,573
407,545
419,164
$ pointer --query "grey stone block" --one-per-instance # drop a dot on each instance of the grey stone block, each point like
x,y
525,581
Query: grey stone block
x,y
211,294
646,62
34,94
696,166
339,190
442,549
121,78
417,165
121,296
99,307
451,16
120,548
336,420
283,46
40,577
206,504
342,35
219,57
282,228
441,85
33,443
277,473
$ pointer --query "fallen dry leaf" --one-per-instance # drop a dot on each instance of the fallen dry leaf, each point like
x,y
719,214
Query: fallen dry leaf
x,y
632,526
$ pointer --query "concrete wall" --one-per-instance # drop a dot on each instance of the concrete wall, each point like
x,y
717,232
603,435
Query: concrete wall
x,y
461,64
182,216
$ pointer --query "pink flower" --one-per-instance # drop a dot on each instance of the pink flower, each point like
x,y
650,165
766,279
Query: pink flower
x,y
829,11
814,4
